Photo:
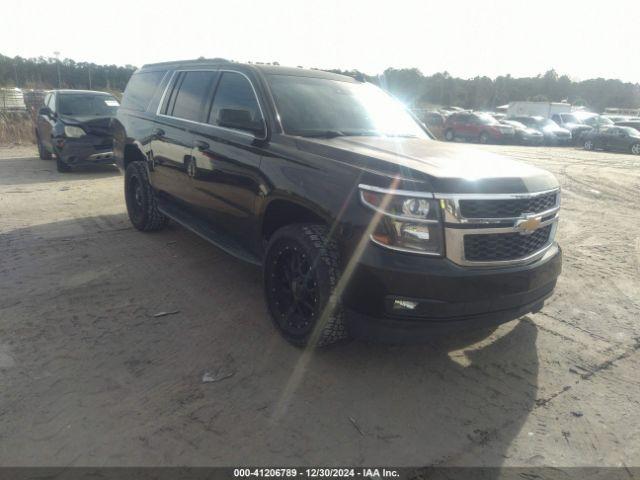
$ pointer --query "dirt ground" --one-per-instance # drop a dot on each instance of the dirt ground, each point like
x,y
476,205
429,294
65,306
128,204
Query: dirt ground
x,y
89,376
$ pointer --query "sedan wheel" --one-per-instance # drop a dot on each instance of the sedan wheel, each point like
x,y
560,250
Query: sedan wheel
x,y
635,149
588,145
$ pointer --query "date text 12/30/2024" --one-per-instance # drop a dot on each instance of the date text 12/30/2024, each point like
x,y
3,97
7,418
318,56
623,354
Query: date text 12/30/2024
x,y
315,472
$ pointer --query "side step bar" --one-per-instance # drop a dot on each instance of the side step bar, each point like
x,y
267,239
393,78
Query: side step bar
x,y
191,222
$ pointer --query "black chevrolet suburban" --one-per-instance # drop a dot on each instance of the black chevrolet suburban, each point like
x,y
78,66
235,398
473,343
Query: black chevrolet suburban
x,y
74,125
363,224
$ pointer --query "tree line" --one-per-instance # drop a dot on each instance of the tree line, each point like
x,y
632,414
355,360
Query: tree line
x,y
484,93
409,85
48,73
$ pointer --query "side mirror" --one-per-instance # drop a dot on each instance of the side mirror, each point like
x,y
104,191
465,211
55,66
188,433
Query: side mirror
x,y
239,119
45,112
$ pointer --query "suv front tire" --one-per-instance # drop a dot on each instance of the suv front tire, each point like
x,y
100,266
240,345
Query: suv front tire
x,y
301,272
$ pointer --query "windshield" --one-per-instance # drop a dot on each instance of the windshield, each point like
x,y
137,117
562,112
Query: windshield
x,y
321,107
81,104
568,118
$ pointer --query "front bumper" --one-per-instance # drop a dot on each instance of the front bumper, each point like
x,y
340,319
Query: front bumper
x,y
85,150
447,297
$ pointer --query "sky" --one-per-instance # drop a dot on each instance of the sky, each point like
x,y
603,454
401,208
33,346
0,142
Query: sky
x,y
466,38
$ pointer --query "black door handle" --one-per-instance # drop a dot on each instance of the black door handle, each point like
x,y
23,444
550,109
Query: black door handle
x,y
158,132
200,145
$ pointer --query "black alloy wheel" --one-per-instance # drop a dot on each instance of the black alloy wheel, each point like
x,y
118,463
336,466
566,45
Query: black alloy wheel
x,y
300,274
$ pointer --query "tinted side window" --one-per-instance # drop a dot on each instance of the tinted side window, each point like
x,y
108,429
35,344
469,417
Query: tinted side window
x,y
140,90
192,95
235,97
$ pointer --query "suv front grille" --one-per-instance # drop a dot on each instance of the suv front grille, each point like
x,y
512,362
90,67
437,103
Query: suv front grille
x,y
504,246
507,208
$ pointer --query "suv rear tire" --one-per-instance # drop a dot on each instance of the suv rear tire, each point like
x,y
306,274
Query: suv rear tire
x,y
142,205
635,148
301,271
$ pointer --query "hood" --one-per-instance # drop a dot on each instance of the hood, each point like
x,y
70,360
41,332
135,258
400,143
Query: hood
x,y
532,131
91,124
444,167
86,120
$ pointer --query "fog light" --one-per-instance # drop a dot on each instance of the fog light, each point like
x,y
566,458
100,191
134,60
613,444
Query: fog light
x,y
404,305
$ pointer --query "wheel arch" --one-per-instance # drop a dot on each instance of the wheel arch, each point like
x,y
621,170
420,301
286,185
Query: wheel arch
x,y
280,212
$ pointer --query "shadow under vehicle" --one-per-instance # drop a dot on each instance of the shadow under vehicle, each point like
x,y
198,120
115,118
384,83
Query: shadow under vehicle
x,y
74,125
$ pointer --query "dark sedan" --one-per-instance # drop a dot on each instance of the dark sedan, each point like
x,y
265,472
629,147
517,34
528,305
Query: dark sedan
x,y
74,125
621,139
553,134
525,135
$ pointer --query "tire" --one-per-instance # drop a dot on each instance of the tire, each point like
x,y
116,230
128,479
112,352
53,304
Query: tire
x,y
635,148
449,135
43,153
61,166
588,144
142,205
301,271
484,138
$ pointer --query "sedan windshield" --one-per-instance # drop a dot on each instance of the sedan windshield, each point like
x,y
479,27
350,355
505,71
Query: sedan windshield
x,y
87,104
319,107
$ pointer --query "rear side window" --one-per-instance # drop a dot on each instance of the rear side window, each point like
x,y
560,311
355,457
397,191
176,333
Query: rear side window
x,y
141,89
235,95
192,95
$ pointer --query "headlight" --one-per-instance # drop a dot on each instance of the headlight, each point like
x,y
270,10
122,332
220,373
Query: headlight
x,y
408,221
74,132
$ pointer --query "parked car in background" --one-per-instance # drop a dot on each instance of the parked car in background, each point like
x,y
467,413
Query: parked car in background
x,y
630,123
553,134
593,119
434,122
525,135
573,124
74,125
621,139
620,118
479,127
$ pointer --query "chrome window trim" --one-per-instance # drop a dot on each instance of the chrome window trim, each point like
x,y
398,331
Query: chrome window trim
x,y
240,132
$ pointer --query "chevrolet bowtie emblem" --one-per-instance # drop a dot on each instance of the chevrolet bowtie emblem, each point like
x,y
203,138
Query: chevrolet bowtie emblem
x,y
528,225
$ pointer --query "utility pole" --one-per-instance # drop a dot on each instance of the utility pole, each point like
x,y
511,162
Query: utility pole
x,y
89,76
57,54
15,71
